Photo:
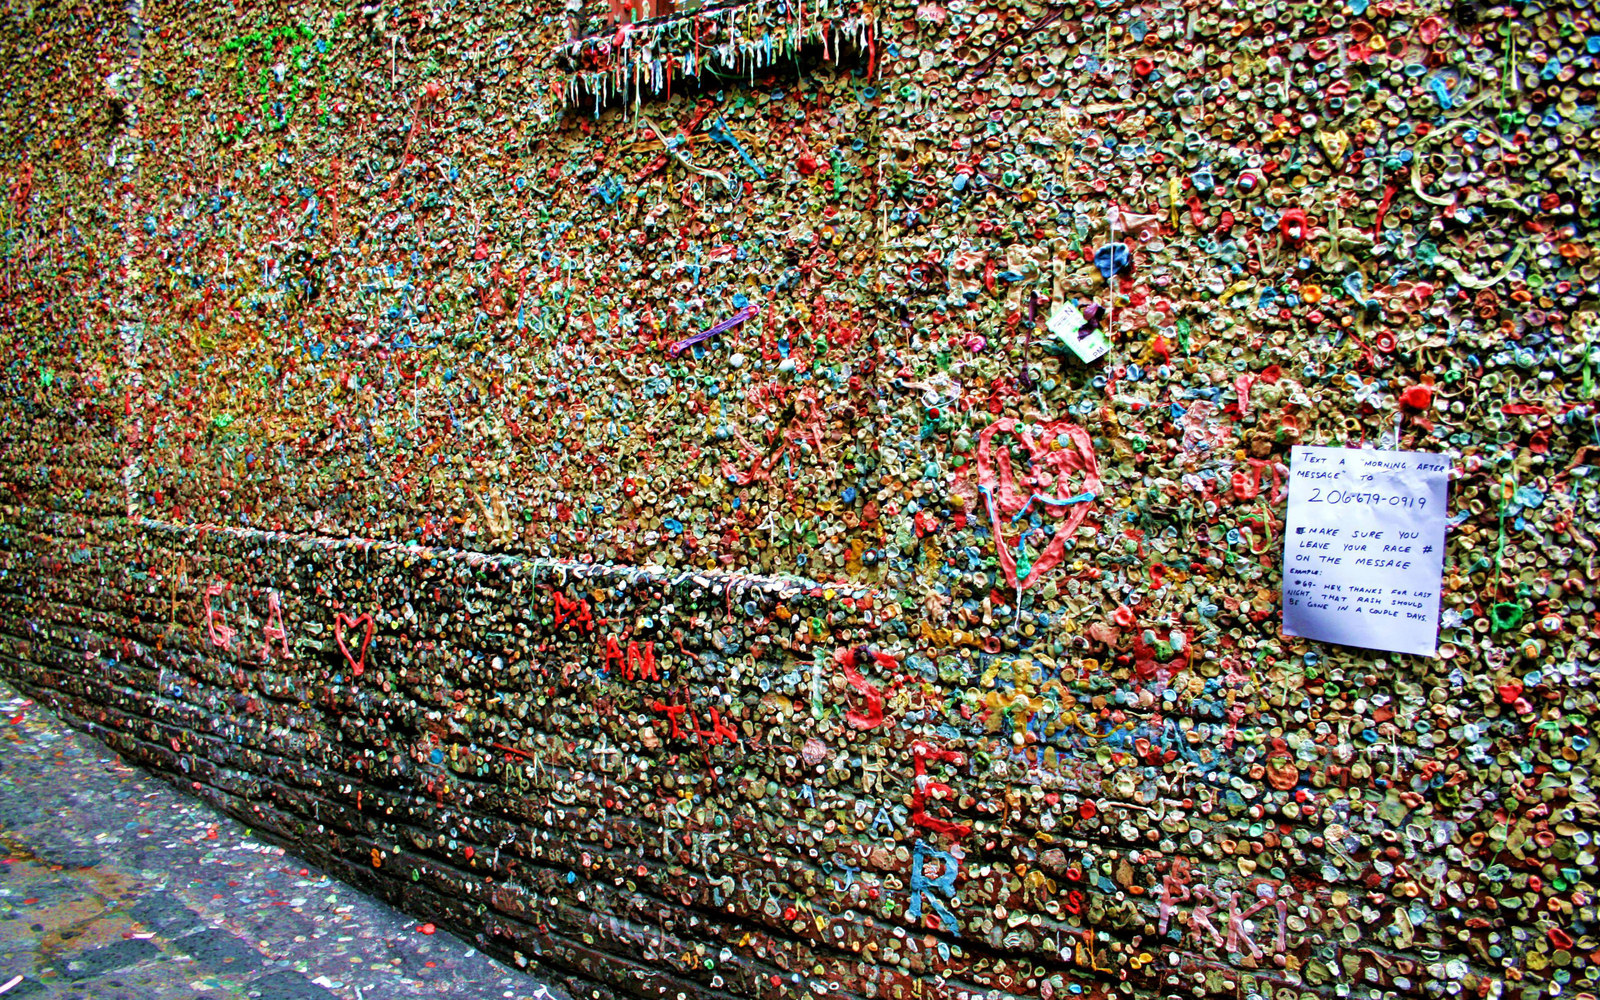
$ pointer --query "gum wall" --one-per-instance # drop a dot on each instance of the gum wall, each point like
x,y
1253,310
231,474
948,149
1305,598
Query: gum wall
x,y
580,474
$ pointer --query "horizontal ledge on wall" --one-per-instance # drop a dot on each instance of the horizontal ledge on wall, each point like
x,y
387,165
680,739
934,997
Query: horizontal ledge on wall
x,y
782,585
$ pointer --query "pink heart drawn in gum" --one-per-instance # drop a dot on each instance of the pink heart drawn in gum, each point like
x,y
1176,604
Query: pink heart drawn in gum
x,y
1075,458
339,622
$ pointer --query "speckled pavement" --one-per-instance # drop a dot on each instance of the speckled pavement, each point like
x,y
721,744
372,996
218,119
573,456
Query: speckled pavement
x,y
115,886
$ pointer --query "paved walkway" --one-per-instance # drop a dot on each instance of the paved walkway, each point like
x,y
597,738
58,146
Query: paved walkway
x,y
114,886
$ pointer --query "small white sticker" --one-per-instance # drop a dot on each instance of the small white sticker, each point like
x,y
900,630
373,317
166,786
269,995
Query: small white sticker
x,y
1067,324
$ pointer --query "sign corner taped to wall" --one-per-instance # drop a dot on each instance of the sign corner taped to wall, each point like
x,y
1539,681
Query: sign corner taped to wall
x,y
1363,553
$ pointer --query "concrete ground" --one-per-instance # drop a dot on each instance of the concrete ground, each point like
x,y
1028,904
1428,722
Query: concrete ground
x,y
114,886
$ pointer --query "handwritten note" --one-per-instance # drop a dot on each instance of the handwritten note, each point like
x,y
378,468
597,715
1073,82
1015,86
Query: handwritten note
x,y
1364,548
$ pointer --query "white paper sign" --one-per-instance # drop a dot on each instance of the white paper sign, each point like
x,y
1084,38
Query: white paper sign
x,y
1067,323
1364,547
